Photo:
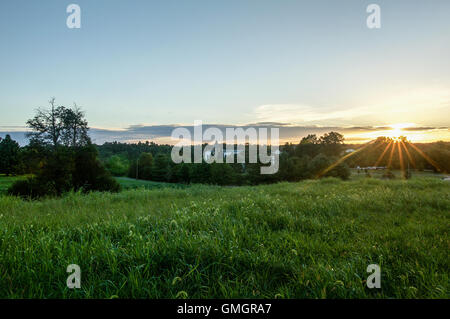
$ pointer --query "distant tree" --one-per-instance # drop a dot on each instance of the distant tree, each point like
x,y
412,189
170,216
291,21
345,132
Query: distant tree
x,y
310,139
117,165
332,143
183,173
201,173
160,168
9,155
308,146
222,174
439,153
145,164
288,148
332,138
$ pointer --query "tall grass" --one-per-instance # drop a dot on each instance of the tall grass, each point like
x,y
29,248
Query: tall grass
x,y
312,239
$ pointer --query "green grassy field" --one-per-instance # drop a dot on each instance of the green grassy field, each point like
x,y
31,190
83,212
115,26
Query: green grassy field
x,y
131,183
312,239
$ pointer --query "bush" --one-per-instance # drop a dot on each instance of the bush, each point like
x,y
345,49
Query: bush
x,y
318,164
341,170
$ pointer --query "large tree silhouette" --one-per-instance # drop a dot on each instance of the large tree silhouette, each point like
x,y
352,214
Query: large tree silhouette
x,y
59,125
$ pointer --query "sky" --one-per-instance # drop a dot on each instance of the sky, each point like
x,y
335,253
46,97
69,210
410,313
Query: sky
x,y
299,64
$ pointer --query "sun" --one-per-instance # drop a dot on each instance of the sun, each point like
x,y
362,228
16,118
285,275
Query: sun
x,y
397,130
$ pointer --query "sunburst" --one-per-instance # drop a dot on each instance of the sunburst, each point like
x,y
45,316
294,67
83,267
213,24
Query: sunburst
x,y
396,131
398,143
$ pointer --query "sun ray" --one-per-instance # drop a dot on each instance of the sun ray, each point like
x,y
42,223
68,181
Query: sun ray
x,y
411,160
400,157
426,157
382,154
343,158
391,155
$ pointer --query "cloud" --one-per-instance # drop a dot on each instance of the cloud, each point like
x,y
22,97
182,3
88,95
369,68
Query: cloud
x,y
417,106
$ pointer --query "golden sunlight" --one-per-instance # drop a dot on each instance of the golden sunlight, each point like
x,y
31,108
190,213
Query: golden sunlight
x,y
413,133
397,130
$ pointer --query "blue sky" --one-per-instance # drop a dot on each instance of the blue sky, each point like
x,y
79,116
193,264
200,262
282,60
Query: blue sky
x,y
230,62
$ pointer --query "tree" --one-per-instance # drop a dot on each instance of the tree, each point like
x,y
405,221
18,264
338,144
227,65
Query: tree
x,y
294,168
332,138
310,139
59,126
332,143
183,173
117,165
308,146
160,168
70,163
9,155
75,132
201,173
222,174
145,166
46,125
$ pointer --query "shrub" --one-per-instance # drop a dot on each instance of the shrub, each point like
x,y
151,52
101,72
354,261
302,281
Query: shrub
x,y
318,164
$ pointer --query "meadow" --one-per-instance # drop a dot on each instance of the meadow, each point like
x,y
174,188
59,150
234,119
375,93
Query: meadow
x,y
311,239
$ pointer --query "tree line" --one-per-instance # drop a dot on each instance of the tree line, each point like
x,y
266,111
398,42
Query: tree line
x,y
149,161
310,158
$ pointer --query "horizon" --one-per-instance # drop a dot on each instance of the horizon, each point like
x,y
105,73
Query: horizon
x,y
161,134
